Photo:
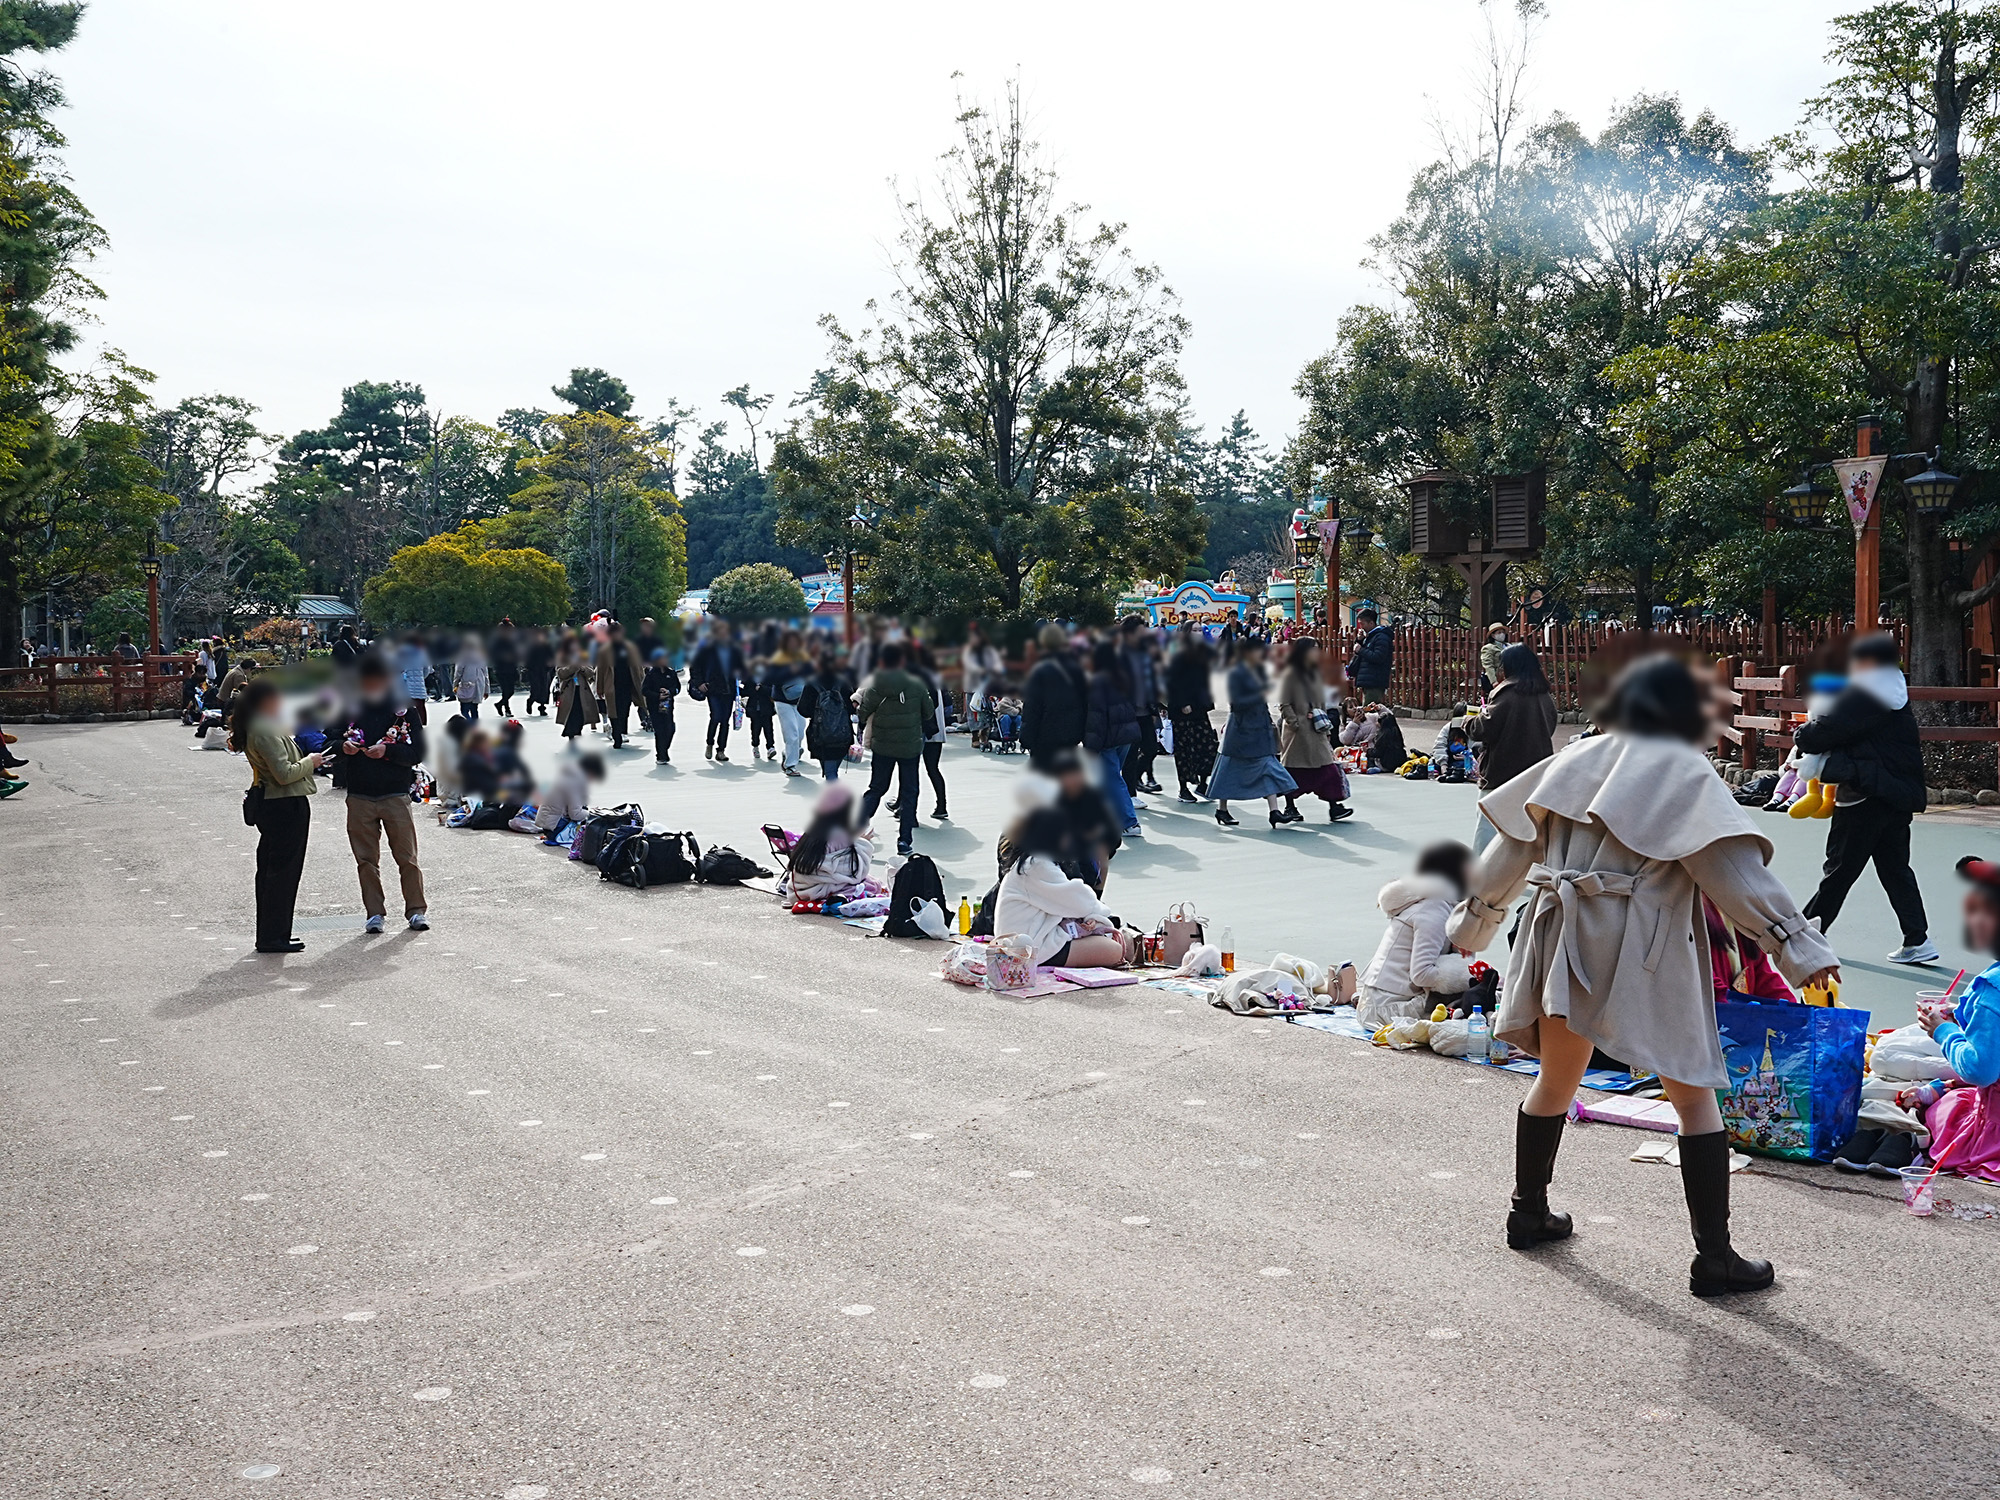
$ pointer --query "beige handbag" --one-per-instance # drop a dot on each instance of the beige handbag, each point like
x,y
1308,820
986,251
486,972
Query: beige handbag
x,y
1180,932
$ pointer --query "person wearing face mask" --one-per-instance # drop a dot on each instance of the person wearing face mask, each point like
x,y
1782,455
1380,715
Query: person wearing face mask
x,y
379,753
280,781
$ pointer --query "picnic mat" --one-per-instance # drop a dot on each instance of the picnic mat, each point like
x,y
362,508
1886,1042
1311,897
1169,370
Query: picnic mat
x,y
1341,1022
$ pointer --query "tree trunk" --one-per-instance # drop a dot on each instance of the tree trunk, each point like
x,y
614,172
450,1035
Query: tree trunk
x,y
1937,625
10,606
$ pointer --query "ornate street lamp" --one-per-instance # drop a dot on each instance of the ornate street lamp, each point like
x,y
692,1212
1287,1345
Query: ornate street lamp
x,y
1358,531
1933,490
1805,501
151,563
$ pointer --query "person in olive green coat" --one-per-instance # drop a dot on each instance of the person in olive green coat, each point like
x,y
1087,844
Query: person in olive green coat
x,y
899,712
283,778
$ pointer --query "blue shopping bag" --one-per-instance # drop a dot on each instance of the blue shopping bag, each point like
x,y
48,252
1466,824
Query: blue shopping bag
x,y
1794,1076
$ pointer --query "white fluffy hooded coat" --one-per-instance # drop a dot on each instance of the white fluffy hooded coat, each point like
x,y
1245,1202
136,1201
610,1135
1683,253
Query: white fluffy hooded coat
x,y
1414,959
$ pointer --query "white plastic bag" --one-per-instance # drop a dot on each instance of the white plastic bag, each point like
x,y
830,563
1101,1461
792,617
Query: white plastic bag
x,y
929,918
1200,960
966,964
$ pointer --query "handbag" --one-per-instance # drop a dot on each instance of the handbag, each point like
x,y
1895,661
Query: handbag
x,y
1794,1076
253,805
1179,932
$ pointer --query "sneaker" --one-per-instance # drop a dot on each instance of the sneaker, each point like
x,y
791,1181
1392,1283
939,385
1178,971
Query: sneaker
x,y
1897,1151
791,770
1915,953
419,922
1855,1155
373,924
905,848
1135,831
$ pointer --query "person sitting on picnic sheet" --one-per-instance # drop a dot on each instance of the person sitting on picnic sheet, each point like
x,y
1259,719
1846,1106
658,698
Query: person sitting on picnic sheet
x,y
1414,963
1061,917
832,857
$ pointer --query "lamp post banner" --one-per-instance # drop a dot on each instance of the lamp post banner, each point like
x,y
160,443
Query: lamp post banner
x,y
1859,479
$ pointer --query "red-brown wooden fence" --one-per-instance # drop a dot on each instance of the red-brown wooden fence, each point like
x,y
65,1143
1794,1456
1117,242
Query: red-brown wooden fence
x,y
1437,666
93,684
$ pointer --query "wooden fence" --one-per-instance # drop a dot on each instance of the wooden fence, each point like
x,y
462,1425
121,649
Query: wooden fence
x,y
1768,707
93,684
1437,666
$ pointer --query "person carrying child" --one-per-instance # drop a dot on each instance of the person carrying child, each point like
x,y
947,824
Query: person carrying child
x,y
1802,784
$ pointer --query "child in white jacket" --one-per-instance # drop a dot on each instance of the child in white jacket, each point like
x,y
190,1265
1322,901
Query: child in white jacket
x,y
1414,961
1037,898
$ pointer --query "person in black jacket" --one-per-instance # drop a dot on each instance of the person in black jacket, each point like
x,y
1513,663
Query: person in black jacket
x,y
539,661
379,752
1111,728
1055,700
714,677
503,658
1875,757
1370,666
826,702
657,693
1190,697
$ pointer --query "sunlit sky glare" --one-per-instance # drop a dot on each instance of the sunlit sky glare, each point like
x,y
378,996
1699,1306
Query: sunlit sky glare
x,y
477,196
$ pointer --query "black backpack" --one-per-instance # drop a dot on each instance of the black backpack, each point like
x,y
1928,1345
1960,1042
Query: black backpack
x,y
722,865
917,880
831,729
631,856
597,827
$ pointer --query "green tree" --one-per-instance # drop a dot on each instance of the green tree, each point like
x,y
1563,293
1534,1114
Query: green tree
x,y
216,553
623,542
456,579
47,237
343,492
121,610
732,514
88,521
1528,262
757,591
594,390
993,446
468,473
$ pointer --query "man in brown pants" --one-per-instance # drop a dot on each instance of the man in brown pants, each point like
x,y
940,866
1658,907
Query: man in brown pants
x,y
379,752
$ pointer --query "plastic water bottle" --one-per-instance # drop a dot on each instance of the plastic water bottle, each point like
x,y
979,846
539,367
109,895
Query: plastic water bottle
x,y
1478,1036
1497,1051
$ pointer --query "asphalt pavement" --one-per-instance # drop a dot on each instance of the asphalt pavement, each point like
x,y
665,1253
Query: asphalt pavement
x,y
596,1193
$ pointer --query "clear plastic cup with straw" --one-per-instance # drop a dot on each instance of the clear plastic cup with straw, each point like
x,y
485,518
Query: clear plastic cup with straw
x,y
1919,1190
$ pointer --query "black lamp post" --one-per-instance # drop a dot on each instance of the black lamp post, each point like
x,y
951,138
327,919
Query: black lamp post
x,y
151,563
1933,490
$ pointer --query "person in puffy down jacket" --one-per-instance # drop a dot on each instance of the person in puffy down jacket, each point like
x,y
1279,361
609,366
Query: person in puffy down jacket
x,y
1415,961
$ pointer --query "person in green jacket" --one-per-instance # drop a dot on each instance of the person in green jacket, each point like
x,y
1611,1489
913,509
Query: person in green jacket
x,y
897,710
284,780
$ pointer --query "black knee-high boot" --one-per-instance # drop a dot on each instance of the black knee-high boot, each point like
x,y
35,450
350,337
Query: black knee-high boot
x,y
1529,1222
1717,1269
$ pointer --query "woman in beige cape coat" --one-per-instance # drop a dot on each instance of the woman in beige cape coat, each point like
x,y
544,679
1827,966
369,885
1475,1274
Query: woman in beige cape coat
x,y
1616,839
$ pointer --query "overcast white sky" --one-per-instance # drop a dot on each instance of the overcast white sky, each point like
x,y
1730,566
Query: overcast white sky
x,y
477,196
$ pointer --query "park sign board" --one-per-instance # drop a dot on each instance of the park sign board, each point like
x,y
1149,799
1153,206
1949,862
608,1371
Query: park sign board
x,y
1197,603
1859,479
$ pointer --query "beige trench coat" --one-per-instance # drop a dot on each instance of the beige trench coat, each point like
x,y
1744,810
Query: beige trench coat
x,y
607,673
1299,744
573,678
1616,838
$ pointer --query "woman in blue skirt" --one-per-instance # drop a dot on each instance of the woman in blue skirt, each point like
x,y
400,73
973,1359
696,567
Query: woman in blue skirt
x,y
1248,765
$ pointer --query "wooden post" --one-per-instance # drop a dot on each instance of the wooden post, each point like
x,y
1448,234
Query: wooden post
x,y
1868,545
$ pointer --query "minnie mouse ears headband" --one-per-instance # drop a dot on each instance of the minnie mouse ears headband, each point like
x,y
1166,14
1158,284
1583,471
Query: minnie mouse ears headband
x,y
1981,872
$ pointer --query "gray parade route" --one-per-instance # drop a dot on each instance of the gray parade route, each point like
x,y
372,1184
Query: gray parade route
x,y
597,1193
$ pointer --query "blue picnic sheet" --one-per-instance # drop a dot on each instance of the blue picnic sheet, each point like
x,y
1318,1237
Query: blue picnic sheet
x,y
1341,1022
